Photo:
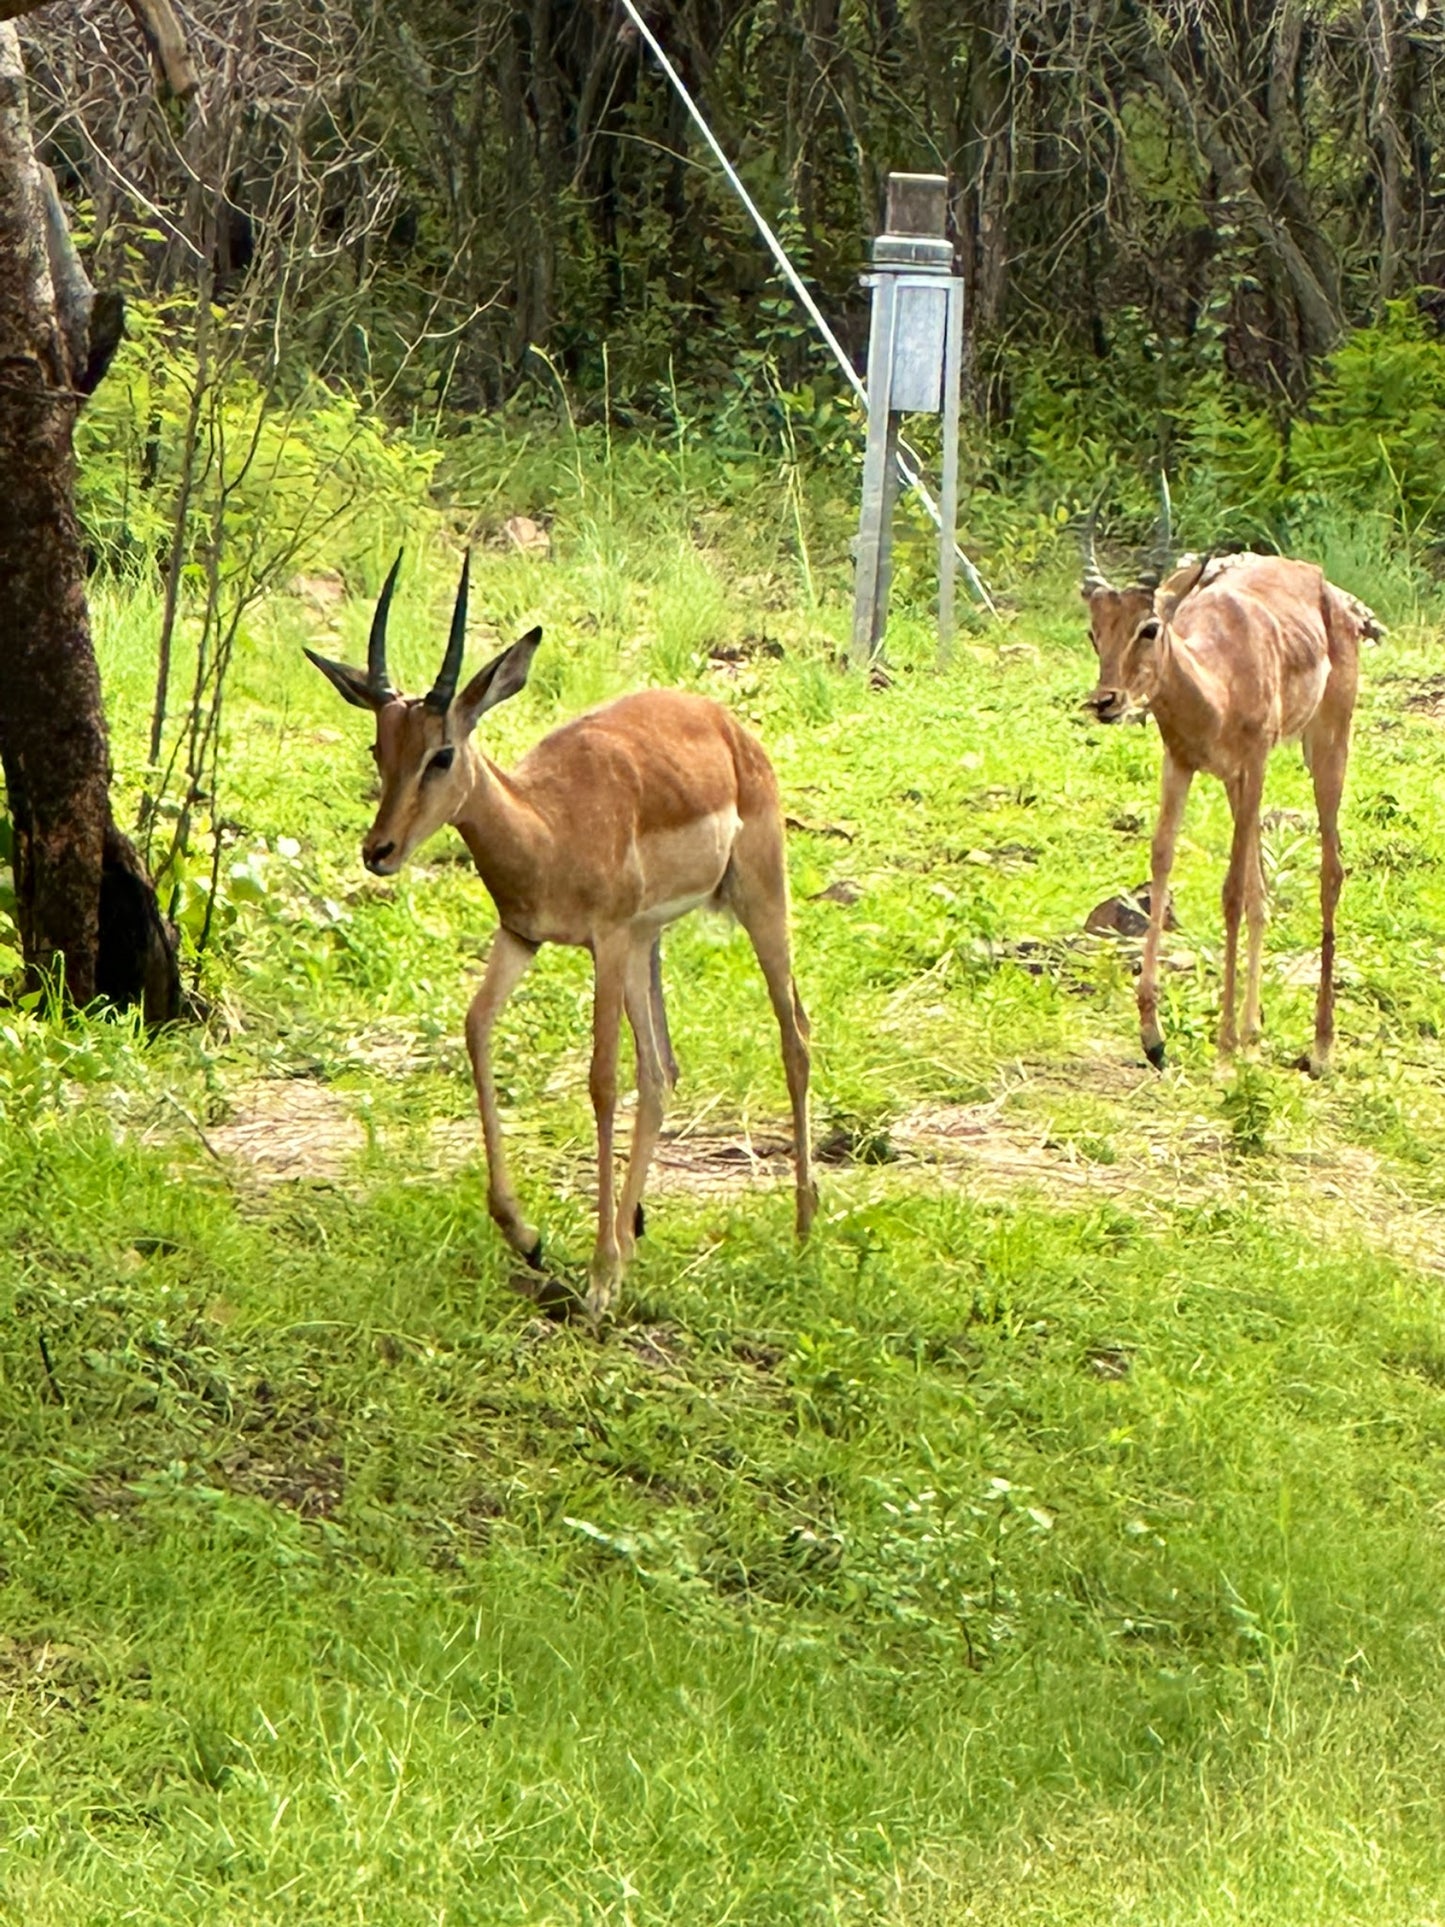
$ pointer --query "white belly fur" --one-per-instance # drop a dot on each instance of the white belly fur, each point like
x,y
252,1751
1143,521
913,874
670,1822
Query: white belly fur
x,y
682,868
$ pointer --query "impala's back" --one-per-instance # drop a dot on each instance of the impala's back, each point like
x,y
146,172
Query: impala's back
x,y
1281,633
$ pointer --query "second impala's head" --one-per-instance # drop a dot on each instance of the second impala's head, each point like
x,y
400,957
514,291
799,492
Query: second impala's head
x,y
1123,624
423,745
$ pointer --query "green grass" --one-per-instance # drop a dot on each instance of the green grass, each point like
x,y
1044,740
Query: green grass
x,y
1060,1538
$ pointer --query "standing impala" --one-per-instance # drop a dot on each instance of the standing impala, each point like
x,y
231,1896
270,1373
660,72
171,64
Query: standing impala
x,y
1232,656
611,827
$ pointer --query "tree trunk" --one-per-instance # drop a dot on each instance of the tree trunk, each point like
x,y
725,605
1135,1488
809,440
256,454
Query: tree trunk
x,y
526,220
989,137
1254,175
1386,145
84,907
985,135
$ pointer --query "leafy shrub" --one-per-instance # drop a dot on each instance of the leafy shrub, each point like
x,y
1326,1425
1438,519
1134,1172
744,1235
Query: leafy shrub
x,y
309,478
1377,434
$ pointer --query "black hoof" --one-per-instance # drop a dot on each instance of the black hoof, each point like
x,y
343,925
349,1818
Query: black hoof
x,y
534,1257
1155,1054
639,1221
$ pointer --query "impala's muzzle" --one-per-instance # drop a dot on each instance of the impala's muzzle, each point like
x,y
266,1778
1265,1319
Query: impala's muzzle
x,y
1109,705
380,858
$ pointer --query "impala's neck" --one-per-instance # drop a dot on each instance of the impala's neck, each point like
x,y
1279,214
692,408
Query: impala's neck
x,y
1183,700
508,838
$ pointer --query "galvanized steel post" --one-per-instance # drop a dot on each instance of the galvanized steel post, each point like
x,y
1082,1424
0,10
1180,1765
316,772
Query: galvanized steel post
x,y
915,363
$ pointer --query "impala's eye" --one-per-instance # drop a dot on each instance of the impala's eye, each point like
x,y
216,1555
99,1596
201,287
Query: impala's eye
x,y
441,761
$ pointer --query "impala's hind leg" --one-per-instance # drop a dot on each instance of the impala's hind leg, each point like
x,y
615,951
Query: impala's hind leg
x,y
508,963
652,1086
1327,761
659,1013
755,889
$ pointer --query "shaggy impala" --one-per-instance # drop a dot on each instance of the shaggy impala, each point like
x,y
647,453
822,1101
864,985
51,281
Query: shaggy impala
x,y
611,827
1232,656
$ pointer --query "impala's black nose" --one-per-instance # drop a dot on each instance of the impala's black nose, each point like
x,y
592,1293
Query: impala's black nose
x,y
1107,704
375,859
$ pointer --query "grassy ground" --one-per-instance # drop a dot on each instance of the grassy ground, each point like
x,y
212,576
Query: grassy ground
x,y
1060,1538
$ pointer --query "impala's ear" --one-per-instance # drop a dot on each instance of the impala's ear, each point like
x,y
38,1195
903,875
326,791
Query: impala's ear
x,y
503,676
1166,607
1167,601
353,684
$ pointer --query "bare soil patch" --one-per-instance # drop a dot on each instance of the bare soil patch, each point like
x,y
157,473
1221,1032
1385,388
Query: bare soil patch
x,y
54,1677
311,1488
288,1130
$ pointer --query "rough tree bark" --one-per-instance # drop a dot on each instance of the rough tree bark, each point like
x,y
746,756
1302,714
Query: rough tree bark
x,y
1234,143
85,908
988,132
1382,36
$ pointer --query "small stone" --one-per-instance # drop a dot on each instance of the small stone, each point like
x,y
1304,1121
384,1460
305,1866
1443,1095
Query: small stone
x,y
844,890
528,536
1127,915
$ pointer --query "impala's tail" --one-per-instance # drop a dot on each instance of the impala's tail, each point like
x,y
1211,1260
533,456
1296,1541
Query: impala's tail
x,y
1350,624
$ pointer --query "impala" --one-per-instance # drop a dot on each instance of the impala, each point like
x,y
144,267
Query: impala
x,y
1232,656
613,826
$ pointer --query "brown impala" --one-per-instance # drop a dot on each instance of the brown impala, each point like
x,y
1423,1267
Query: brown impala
x,y
613,826
1232,656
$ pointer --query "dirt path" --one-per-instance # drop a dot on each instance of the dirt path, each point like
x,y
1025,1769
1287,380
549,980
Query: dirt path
x,y
288,1130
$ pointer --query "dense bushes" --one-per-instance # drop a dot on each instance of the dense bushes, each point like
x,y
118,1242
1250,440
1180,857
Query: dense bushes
x,y
292,477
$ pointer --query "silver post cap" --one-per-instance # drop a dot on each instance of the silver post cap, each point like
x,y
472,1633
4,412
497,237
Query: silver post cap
x,y
915,230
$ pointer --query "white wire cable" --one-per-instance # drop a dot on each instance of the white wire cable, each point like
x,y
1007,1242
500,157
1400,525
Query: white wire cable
x,y
800,288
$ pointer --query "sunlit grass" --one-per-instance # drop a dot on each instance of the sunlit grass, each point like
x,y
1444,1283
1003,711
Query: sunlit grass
x,y
1057,1539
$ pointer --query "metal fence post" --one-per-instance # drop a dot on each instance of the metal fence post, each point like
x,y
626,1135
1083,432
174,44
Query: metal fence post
x,y
915,359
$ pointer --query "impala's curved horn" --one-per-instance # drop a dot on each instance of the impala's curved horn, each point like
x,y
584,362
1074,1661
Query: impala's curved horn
x,y
1161,547
1094,577
439,696
377,678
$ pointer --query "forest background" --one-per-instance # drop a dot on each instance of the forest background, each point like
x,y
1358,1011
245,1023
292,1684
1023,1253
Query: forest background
x,y
1209,236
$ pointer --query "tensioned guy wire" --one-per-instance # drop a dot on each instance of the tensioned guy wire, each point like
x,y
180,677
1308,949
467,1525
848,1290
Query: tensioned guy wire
x,y
800,287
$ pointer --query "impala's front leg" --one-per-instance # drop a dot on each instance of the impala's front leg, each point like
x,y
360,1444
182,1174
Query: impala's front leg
x,y
509,962
1173,795
610,961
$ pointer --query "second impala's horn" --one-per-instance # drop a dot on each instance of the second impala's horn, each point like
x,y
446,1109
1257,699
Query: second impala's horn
x,y
439,697
376,674
1161,547
1094,578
